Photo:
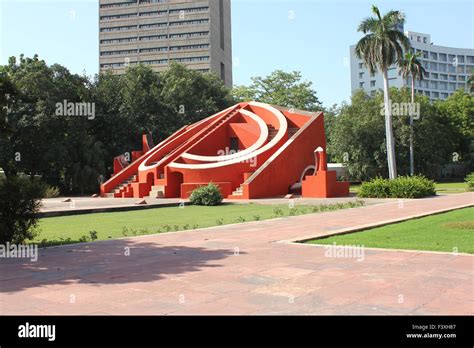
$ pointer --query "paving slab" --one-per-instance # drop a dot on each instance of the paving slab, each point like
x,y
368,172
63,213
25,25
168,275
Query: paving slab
x,y
251,268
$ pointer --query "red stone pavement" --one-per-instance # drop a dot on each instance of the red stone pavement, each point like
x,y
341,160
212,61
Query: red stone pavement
x,y
245,269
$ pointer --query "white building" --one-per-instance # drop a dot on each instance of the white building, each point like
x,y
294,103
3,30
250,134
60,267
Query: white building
x,y
447,69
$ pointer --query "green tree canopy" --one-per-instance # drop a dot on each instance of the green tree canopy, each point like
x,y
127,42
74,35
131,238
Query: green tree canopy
x,y
280,88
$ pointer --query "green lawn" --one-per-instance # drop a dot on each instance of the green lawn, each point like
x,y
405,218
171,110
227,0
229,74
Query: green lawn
x,y
442,232
451,187
441,188
70,229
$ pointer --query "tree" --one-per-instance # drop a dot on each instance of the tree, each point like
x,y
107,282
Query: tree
x,y
458,110
470,82
19,206
280,88
381,47
410,66
357,137
190,96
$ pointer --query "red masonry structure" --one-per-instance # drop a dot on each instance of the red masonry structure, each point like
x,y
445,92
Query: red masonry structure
x,y
250,150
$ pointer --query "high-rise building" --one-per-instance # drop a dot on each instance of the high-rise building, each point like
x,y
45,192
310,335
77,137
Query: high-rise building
x,y
447,69
196,33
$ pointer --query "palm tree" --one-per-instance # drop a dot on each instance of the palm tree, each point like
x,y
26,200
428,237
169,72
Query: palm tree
x,y
411,66
381,47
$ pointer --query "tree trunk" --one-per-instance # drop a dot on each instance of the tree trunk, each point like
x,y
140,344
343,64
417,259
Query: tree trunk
x,y
391,160
412,151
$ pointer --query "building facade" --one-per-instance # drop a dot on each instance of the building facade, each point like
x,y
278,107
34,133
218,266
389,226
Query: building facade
x,y
156,32
447,69
250,150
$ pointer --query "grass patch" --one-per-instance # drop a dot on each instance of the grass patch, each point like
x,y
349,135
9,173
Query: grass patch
x,y
101,226
442,232
451,187
441,188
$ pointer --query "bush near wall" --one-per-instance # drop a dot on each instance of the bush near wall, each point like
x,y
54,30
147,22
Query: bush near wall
x,y
206,195
470,182
19,205
402,187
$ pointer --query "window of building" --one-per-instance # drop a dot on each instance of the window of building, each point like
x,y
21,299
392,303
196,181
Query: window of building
x,y
223,72
361,84
361,75
119,4
434,76
153,49
192,22
221,23
189,10
128,27
125,39
361,65
189,47
433,56
372,83
153,37
189,35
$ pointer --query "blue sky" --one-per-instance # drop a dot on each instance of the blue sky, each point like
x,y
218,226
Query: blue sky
x,y
311,36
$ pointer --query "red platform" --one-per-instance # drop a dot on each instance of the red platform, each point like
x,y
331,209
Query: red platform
x,y
250,150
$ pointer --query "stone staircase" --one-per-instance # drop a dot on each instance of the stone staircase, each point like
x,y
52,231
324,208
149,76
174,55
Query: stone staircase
x,y
156,192
239,191
119,188
292,131
272,132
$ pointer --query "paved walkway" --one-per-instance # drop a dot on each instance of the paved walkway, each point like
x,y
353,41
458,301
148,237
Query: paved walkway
x,y
245,269
75,205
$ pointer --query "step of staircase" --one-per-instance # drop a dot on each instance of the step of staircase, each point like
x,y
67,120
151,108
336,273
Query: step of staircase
x,y
238,192
119,188
157,192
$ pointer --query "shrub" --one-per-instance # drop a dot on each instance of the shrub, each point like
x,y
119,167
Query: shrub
x,y
93,235
278,212
209,195
378,188
470,182
401,187
51,192
19,205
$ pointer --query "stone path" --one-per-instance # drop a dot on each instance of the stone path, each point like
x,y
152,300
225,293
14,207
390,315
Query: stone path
x,y
251,268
